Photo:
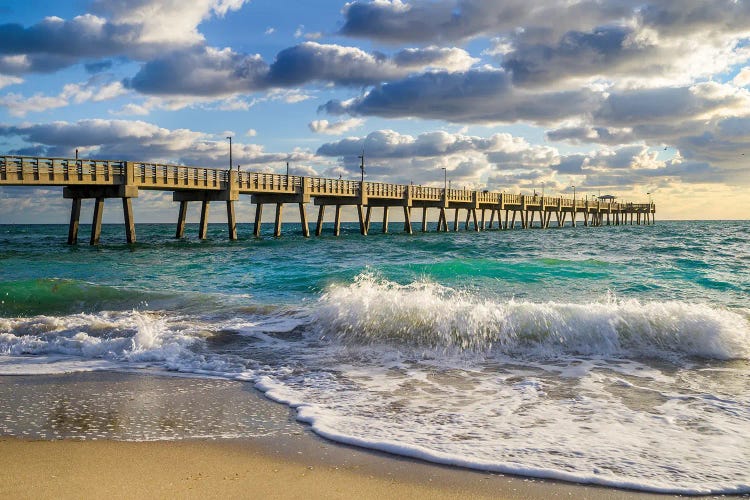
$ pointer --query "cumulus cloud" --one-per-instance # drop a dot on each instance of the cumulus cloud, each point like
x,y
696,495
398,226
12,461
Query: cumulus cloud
x,y
334,128
135,28
144,141
72,93
5,80
391,144
469,160
418,21
542,43
207,71
475,96
669,104
582,134
200,71
743,77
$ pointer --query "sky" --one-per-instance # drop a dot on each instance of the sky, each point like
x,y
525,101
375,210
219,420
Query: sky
x,y
638,99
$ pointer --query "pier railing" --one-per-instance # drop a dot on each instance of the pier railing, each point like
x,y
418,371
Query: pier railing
x,y
162,176
272,183
26,170
21,170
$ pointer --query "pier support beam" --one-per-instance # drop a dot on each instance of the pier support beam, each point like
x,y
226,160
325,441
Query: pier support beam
x,y
407,220
424,219
474,218
368,216
303,220
442,222
337,221
75,215
361,215
455,222
319,225
181,217
127,210
203,229
258,219
277,221
385,219
231,221
96,224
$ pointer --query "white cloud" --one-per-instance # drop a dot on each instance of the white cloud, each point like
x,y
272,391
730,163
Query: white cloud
x,y
743,77
165,21
138,29
140,140
133,109
72,93
6,81
19,105
335,128
251,132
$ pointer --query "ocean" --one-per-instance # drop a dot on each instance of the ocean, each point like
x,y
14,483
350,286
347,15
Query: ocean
x,y
617,356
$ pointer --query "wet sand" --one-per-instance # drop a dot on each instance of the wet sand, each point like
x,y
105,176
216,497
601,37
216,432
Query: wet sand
x,y
107,434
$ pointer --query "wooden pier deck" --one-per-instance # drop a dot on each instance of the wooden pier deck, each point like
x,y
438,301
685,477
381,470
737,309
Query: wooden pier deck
x,y
102,179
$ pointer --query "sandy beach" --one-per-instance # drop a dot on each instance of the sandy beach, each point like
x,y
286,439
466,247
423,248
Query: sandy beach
x,y
285,460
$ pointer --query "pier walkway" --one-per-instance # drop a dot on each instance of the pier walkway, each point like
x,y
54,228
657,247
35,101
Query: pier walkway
x,y
102,179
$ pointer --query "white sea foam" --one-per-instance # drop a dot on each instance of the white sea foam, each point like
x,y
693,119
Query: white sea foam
x,y
115,337
428,314
52,364
597,428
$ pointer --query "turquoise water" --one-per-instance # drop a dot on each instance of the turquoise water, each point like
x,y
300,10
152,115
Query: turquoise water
x,y
578,353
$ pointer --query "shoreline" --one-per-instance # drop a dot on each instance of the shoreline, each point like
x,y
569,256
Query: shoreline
x,y
282,458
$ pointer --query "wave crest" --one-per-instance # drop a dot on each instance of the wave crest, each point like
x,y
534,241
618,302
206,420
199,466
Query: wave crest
x,y
426,314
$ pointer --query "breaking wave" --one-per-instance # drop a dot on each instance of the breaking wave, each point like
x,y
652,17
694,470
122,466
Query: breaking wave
x,y
426,314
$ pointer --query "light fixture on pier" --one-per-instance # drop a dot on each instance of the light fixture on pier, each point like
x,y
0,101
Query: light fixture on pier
x,y
362,164
230,151
445,179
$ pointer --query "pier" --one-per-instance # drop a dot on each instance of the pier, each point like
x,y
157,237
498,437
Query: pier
x,y
99,180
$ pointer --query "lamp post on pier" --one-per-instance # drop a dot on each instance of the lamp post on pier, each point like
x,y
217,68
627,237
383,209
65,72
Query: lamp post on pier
x,y
574,201
230,151
362,165
445,180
